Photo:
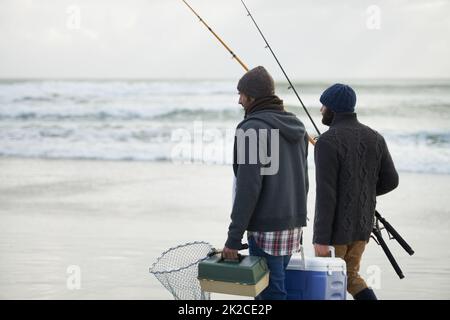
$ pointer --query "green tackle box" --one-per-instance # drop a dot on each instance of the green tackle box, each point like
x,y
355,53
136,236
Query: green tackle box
x,y
246,277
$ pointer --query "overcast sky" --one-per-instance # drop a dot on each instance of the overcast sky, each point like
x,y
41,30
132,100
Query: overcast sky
x,y
314,39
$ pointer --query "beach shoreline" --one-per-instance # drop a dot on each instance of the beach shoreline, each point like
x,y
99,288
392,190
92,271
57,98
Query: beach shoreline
x,y
114,218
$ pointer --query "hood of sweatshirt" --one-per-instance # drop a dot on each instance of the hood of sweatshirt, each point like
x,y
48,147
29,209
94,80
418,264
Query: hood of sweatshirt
x,y
291,128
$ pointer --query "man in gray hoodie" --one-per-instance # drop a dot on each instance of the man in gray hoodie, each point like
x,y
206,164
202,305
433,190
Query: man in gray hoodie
x,y
271,180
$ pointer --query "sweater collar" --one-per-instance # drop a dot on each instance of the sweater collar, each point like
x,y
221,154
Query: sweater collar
x,y
344,118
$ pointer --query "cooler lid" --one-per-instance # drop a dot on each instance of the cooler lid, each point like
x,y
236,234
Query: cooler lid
x,y
316,263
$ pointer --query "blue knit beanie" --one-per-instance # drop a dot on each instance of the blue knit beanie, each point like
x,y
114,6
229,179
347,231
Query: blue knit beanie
x,y
339,98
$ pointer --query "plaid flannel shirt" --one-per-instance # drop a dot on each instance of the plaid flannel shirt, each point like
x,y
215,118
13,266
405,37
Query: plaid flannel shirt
x,y
278,243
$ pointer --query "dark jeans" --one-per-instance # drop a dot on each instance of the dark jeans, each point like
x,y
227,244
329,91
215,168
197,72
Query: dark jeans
x,y
277,266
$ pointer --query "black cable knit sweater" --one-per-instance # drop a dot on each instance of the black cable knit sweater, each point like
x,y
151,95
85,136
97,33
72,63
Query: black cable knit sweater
x,y
353,166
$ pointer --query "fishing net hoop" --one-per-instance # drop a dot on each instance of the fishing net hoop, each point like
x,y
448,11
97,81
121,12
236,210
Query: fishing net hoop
x,y
178,273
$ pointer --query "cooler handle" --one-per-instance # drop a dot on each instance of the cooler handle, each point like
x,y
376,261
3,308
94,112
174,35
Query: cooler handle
x,y
332,251
302,254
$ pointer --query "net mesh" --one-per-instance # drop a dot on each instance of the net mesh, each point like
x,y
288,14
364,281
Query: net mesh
x,y
177,270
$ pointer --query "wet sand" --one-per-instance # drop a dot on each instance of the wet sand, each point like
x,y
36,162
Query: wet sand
x,y
113,219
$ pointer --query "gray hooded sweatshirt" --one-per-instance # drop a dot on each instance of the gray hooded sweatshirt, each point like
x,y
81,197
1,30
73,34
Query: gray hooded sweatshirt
x,y
274,199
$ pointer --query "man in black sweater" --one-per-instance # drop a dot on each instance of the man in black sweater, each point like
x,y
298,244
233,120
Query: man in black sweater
x,y
353,167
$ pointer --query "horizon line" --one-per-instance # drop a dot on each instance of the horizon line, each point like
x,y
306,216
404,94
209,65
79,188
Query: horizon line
x,y
321,79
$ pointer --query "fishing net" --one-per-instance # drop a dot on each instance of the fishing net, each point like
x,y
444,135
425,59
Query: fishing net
x,y
177,270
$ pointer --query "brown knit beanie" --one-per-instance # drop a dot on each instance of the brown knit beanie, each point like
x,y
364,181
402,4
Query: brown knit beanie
x,y
257,83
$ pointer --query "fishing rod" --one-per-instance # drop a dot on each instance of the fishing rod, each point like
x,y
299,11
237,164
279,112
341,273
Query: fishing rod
x,y
291,86
234,56
376,229
217,37
393,234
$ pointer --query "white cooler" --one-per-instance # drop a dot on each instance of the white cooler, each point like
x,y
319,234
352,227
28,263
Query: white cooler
x,y
316,278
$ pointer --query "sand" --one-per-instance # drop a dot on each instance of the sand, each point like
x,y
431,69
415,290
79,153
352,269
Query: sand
x,y
113,219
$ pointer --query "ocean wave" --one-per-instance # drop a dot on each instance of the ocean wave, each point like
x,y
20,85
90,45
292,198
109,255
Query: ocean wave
x,y
183,114
405,162
189,114
94,157
135,120
52,90
415,151
95,116
428,138
373,86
